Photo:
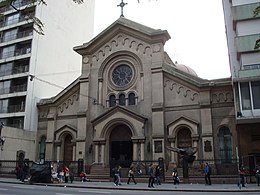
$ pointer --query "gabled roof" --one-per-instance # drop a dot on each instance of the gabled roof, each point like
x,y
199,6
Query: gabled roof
x,y
127,26
118,109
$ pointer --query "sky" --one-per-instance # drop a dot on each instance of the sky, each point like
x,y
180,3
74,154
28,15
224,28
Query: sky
x,y
196,27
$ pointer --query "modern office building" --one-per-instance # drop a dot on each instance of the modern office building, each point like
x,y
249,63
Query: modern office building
x,y
242,30
49,58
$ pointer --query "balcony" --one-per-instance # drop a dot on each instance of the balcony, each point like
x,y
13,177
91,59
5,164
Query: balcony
x,y
13,89
247,43
16,20
16,36
245,12
15,70
17,52
18,5
13,108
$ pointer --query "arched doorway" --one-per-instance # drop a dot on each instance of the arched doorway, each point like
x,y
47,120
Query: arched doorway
x,y
121,146
68,148
184,139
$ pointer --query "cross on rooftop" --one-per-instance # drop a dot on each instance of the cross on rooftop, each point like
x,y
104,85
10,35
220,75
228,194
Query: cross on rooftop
x,y
122,4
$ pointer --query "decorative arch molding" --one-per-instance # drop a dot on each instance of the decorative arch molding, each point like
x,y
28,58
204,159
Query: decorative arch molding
x,y
123,41
66,129
222,97
182,90
104,124
181,122
118,56
69,101
113,123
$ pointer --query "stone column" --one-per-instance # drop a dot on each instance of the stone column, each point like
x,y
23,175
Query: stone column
x,y
142,151
135,152
96,153
102,153
195,144
74,153
58,153
172,153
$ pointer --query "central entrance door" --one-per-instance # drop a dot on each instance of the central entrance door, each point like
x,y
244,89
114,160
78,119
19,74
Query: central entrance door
x,y
121,146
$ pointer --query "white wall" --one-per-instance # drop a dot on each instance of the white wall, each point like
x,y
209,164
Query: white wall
x,y
66,25
16,140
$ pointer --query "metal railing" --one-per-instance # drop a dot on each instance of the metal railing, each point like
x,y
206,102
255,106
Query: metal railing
x,y
15,70
16,20
16,36
13,89
17,52
20,4
13,108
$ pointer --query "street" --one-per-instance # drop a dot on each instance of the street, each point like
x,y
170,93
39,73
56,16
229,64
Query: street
x,y
14,189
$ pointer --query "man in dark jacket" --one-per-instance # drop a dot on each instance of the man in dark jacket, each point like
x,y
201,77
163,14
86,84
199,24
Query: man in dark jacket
x,y
151,176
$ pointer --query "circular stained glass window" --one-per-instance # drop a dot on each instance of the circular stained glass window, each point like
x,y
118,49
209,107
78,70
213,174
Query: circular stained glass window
x,y
122,75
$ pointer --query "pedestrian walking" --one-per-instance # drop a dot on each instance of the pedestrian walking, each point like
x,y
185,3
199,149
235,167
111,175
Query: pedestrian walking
x,y
242,173
175,176
131,175
66,174
151,176
117,174
207,173
158,171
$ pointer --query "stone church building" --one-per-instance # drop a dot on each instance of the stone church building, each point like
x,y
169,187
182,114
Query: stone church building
x,y
132,101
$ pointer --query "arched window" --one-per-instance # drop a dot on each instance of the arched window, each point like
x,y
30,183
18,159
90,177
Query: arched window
x,y
225,144
131,99
42,146
112,100
122,99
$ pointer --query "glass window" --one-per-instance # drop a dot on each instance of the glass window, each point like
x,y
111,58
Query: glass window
x,y
10,35
3,106
112,100
122,99
225,144
8,51
245,95
12,19
131,99
5,87
6,69
256,94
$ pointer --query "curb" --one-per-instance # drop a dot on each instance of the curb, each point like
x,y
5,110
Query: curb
x,y
174,189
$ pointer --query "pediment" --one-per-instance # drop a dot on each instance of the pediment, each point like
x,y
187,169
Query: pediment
x,y
65,129
123,26
183,121
118,115
119,111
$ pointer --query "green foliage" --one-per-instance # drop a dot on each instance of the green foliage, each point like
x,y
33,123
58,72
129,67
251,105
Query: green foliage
x,y
79,1
256,11
257,44
38,25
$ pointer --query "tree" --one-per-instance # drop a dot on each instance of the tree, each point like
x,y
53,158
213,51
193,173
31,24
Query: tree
x,y
256,13
38,25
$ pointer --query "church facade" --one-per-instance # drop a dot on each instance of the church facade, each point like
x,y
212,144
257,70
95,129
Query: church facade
x,y
131,102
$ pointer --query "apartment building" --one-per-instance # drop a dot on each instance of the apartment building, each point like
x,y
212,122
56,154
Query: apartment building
x,y
35,66
242,30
